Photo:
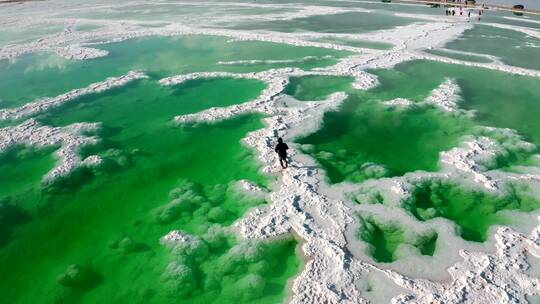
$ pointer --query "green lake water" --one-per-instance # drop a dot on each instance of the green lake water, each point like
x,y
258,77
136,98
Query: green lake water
x,y
22,167
364,139
316,88
512,103
385,240
364,133
474,212
41,75
514,48
94,237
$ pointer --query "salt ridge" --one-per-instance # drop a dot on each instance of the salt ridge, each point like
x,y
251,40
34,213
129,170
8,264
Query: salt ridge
x,y
446,96
399,102
70,138
45,104
276,80
303,59
462,160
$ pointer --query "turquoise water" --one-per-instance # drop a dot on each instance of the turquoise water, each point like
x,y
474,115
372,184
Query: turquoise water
x,y
11,35
338,23
372,5
514,48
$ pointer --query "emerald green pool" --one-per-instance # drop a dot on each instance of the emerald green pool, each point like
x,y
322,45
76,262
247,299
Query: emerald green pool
x,y
385,240
365,139
474,212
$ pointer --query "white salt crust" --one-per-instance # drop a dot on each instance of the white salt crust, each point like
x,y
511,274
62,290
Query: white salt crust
x,y
251,188
299,205
462,160
302,202
446,97
247,62
69,138
177,238
331,271
500,277
79,52
399,102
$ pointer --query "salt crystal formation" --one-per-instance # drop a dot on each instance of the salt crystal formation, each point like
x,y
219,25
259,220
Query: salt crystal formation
x,y
69,138
45,104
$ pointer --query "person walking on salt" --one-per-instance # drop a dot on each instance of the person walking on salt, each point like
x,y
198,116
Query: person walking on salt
x,y
281,150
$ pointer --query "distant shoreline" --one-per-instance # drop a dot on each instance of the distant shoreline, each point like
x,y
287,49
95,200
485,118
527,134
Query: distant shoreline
x,y
17,1
444,2
478,5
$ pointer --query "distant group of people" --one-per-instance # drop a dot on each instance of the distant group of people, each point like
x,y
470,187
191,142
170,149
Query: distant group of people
x,y
452,12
